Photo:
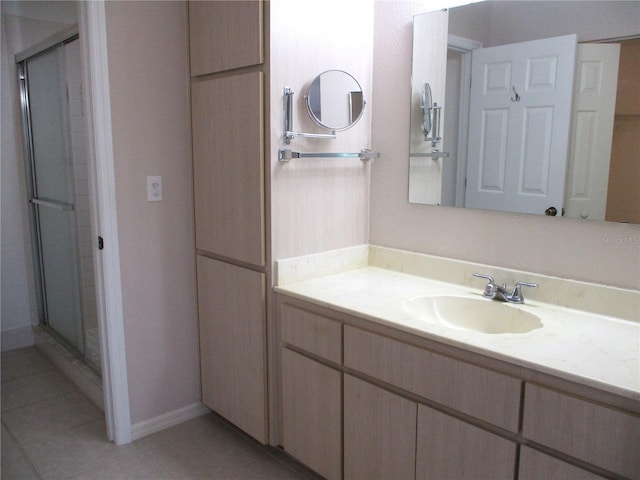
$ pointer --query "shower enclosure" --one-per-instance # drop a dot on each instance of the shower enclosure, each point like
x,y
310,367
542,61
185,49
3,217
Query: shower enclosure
x,y
55,150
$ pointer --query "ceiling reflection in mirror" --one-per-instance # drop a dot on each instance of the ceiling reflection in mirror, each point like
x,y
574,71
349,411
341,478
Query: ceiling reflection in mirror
x,y
335,100
536,105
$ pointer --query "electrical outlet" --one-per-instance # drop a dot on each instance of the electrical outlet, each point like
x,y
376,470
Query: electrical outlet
x,y
154,188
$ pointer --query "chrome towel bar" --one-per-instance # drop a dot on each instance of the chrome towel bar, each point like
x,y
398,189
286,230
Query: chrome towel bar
x,y
430,155
285,154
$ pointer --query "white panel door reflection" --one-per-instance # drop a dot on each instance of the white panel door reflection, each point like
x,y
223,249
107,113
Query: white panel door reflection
x,y
519,125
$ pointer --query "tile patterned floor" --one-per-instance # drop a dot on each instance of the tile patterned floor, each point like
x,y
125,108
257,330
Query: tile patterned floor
x,y
51,431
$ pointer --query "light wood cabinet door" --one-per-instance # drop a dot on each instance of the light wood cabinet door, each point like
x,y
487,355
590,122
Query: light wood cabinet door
x,y
535,465
233,344
379,432
225,35
596,434
311,413
452,449
228,168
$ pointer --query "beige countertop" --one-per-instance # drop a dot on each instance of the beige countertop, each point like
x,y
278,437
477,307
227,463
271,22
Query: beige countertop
x,y
594,349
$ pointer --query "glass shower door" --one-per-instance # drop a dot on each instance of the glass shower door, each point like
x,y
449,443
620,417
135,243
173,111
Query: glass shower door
x,y
52,192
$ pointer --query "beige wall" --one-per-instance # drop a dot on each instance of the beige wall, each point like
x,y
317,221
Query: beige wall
x,y
149,83
318,204
600,252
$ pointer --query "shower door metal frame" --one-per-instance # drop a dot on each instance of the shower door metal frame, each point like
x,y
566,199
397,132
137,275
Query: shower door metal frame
x,y
32,190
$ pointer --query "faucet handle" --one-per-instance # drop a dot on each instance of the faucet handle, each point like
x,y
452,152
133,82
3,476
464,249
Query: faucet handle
x,y
490,289
516,295
482,275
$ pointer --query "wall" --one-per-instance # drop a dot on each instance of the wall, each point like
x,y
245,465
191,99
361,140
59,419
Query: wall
x,y
24,24
149,85
318,204
592,251
516,21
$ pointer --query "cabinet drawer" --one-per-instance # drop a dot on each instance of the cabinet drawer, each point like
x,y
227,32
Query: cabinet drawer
x,y
596,434
476,391
535,465
313,333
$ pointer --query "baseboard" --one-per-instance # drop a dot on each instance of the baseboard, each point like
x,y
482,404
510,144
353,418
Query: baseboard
x,y
15,338
166,420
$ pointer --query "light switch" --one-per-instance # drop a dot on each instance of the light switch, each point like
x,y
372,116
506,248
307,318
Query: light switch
x,y
154,188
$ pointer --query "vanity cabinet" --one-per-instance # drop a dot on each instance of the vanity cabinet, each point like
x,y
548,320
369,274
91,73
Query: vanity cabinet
x,y
415,408
386,429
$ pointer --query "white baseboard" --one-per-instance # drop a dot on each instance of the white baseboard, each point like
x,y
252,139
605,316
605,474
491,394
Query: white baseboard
x,y
166,420
15,338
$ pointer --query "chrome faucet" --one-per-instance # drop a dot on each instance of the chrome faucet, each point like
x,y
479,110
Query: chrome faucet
x,y
501,292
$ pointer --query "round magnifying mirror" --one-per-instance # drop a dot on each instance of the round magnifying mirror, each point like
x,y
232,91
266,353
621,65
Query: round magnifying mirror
x,y
335,100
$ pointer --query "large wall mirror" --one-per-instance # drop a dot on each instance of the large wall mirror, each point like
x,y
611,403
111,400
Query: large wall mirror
x,y
537,108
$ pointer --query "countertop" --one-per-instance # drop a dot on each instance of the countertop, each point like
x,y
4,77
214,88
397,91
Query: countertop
x,y
593,349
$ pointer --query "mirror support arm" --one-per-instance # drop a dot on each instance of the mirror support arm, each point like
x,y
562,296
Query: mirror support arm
x,y
288,121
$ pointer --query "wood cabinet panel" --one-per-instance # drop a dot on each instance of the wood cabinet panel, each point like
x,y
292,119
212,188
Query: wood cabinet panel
x,y
311,413
225,35
311,332
228,167
594,433
476,391
452,449
379,432
535,465
233,344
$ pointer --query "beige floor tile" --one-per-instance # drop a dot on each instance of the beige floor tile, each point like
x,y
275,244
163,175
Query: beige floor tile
x,y
23,362
34,388
264,468
200,448
49,417
80,450
15,465
138,469
51,431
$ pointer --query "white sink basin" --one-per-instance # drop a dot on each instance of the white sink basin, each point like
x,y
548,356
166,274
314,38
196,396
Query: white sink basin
x,y
475,314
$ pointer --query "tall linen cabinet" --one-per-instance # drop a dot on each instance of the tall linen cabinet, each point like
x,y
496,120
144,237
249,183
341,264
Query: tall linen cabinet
x,y
228,68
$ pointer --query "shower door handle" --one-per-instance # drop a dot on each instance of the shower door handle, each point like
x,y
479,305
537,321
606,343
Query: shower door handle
x,y
53,204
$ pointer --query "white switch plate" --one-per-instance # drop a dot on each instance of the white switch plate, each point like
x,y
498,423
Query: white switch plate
x,y
154,188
